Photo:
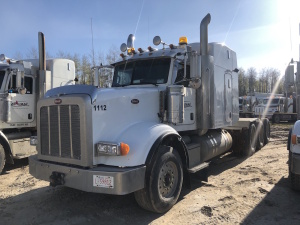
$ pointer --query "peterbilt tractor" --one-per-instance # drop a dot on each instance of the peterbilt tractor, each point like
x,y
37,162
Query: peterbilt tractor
x,y
22,84
167,114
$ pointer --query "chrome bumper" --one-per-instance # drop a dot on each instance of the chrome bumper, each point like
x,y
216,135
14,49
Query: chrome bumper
x,y
125,180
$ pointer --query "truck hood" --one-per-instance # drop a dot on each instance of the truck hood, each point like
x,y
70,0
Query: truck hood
x,y
115,109
94,92
74,89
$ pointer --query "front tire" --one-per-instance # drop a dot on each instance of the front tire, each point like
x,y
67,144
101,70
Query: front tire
x,y
164,179
2,158
295,181
294,178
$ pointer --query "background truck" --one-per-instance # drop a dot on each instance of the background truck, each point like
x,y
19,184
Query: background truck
x,y
293,145
22,84
167,114
269,106
247,104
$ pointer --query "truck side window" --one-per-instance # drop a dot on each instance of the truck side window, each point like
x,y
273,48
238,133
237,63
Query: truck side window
x,y
28,85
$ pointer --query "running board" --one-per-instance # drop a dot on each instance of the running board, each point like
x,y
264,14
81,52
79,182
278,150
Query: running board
x,y
199,167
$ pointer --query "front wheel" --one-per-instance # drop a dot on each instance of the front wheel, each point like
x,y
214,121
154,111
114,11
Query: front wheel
x,y
295,181
164,179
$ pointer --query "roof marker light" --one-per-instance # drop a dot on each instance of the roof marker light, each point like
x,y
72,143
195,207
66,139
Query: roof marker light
x,y
183,40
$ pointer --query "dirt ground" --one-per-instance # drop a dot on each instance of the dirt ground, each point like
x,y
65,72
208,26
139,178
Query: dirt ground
x,y
239,191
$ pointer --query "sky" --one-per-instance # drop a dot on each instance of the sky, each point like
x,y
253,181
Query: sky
x,y
263,33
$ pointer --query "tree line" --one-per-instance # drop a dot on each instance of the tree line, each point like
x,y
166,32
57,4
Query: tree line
x,y
250,81
266,81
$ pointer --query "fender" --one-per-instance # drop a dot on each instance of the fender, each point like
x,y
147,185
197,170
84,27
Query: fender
x,y
141,138
7,149
295,130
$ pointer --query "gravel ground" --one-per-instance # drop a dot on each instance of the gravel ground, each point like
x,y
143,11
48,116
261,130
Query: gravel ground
x,y
239,191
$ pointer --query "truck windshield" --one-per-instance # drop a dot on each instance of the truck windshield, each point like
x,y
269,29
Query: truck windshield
x,y
2,75
150,71
273,101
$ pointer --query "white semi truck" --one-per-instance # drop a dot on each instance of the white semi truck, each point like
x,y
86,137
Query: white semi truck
x,y
22,84
167,114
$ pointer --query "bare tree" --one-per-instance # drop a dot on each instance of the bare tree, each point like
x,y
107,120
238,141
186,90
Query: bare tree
x,y
113,55
243,82
32,53
18,55
86,73
251,74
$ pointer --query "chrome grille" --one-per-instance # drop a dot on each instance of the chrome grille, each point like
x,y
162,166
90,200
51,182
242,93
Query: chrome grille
x,y
60,131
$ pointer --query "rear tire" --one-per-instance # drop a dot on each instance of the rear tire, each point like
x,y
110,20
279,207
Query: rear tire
x,y
2,158
266,123
164,179
260,135
250,141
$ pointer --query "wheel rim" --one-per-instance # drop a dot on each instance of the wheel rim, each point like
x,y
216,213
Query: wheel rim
x,y
168,179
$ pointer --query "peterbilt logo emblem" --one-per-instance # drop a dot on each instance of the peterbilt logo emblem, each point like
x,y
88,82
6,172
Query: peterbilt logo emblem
x,y
58,101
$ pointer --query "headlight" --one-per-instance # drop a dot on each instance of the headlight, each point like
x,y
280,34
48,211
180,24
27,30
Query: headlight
x,y
107,148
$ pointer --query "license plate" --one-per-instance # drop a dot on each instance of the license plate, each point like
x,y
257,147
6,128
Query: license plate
x,y
103,181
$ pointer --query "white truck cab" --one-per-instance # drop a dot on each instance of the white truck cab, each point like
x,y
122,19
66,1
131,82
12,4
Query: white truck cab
x,y
22,84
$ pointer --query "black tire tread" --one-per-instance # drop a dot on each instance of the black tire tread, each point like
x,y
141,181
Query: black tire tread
x,y
249,146
266,123
260,135
143,196
2,158
295,181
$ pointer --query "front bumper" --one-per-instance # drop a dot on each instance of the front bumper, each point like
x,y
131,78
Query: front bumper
x,y
125,180
295,163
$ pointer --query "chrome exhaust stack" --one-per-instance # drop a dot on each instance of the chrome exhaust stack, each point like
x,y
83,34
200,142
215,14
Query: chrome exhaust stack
x,y
204,34
42,51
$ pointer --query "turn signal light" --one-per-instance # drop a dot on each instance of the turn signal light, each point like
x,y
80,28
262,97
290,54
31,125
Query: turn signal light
x,y
124,148
294,139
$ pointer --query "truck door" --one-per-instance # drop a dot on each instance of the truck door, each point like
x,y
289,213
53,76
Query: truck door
x,y
228,97
22,106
